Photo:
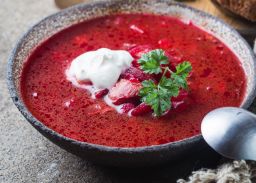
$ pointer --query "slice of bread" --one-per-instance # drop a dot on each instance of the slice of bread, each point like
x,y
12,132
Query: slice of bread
x,y
244,8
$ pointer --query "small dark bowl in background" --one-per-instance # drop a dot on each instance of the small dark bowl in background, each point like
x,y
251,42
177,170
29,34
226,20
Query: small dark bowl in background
x,y
115,156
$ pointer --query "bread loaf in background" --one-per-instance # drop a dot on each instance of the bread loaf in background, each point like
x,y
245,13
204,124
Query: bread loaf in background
x,y
244,8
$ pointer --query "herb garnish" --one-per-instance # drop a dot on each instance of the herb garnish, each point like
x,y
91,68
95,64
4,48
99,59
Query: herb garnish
x,y
158,95
151,62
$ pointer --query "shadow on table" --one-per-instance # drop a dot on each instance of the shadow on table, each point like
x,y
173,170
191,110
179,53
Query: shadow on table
x,y
169,173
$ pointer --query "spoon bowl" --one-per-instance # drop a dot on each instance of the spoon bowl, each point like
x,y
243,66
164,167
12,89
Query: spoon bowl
x,y
231,132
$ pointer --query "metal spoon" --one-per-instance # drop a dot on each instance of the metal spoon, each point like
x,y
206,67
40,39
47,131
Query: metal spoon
x,y
231,132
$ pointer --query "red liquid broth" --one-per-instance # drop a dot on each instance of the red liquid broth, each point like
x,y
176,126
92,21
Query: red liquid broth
x,y
217,80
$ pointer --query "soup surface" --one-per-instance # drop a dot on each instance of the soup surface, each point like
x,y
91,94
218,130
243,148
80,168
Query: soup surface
x,y
217,80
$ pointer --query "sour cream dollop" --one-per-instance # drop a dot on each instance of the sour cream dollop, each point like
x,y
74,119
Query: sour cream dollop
x,y
102,67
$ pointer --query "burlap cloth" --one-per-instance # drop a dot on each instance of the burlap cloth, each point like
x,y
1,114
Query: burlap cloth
x,y
233,172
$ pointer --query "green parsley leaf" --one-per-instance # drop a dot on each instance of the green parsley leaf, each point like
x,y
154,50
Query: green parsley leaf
x,y
158,95
183,68
169,86
180,81
181,74
148,87
151,62
162,104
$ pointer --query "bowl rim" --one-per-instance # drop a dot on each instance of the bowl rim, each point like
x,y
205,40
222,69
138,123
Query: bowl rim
x,y
17,100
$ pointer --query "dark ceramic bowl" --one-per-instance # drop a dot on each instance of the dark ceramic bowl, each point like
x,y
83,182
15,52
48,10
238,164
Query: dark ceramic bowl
x,y
142,156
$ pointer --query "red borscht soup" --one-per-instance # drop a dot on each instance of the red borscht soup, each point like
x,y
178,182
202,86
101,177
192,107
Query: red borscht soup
x,y
216,80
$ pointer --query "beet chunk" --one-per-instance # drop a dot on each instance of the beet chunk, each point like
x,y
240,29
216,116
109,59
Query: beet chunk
x,y
183,94
179,103
127,107
141,110
135,73
101,93
137,52
124,91
180,106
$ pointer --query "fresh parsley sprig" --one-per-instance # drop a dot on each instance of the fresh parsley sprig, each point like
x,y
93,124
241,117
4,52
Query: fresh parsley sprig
x,y
151,62
158,95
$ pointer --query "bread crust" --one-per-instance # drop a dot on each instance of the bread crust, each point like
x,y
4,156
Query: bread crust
x,y
245,8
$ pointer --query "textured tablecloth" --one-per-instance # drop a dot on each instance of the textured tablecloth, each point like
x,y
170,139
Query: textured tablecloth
x,y
25,155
